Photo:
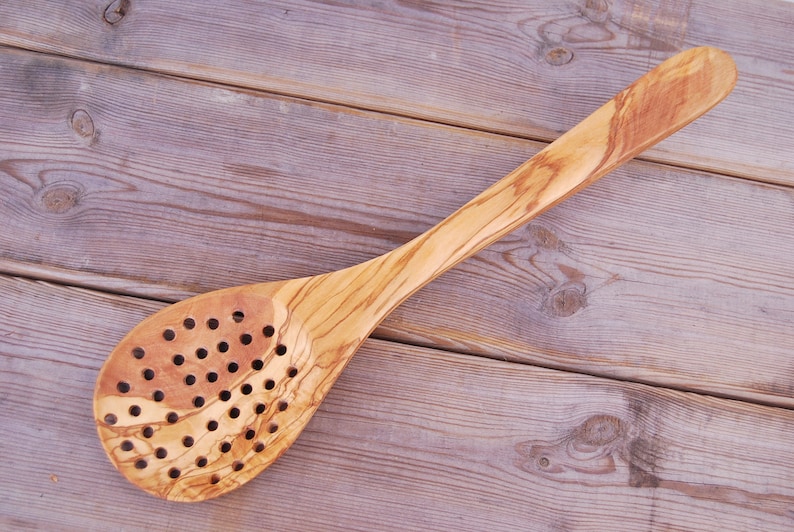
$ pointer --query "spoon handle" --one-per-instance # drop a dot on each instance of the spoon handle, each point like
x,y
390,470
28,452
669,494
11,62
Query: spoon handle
x,y
653,107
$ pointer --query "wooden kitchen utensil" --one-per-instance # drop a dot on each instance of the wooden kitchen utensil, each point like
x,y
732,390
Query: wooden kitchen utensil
x,y
202,396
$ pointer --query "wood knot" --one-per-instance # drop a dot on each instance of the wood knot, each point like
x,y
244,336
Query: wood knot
x,y
603,450
82,124
116,11
544,238
591,451
598,431
559,56
60,197
596,10
565,302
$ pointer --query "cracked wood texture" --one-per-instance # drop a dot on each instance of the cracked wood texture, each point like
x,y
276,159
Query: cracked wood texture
x,y
162,151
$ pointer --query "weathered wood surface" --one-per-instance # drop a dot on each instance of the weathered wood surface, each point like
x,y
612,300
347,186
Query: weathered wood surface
x,y
531,69
130,182
124,181
409,439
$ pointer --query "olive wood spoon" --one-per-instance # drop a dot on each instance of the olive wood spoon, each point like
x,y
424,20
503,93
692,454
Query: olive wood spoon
x,y
202,396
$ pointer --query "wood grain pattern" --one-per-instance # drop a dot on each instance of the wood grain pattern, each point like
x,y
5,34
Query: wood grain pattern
x,y
527,68
656,275
408,438
178,437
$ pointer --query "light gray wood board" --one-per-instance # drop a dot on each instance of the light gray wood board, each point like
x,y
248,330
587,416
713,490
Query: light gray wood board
x,y
410,438
142,184
527,68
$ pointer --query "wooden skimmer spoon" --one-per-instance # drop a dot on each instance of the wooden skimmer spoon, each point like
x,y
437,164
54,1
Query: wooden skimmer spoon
x,y
202,396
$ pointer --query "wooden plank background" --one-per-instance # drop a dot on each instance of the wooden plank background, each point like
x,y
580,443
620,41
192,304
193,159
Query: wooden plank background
x,y
149,153
410,439
485,65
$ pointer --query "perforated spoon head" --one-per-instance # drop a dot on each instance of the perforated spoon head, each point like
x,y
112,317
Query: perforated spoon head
x,y
203,395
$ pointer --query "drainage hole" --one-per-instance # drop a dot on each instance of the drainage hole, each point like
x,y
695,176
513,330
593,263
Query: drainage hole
x,y
232,367
225,395
135,410
234,413
270,384
158,395
123,387
189,323
173,472
223,347
160,453
259,447
268,331
126,445
148,432
246,389
226,447
172,417
198,401
212,425
281,350
215,479
201,461
190,380
257,364
212,376
283,406
238,316
178,360
246,339
237,465
213,324
188,441
201,353
111,419
169,335
140,464
138,353
260,408
148,374
292,371
249,435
